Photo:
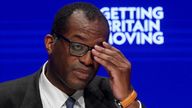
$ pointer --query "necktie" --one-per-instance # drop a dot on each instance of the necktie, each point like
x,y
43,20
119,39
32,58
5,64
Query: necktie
x,y
70,102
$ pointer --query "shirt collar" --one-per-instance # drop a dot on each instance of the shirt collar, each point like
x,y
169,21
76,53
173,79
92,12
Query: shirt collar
x,y
54,95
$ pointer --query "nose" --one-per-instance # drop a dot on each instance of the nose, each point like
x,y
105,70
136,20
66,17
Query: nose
x,y
86,59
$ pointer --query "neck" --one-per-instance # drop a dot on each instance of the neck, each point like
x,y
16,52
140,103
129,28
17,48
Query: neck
x,y
57,81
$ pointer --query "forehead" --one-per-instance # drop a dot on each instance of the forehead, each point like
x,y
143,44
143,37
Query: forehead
x,y
82,29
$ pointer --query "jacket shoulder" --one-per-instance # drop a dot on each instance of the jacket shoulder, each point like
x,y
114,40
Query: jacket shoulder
x,y
15,83
13,92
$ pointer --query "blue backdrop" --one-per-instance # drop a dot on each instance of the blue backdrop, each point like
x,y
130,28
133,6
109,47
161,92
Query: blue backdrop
x,y
161,73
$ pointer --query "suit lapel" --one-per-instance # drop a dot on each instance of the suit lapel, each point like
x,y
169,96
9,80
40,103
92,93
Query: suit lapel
x,y
32,97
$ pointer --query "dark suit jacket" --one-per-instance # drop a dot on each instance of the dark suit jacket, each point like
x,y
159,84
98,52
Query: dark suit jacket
x,y
24,93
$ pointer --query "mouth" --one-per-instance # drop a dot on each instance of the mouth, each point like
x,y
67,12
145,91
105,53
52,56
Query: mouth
x,y
82,74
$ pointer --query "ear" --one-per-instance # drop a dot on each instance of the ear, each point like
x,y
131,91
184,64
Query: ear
x,y
49,42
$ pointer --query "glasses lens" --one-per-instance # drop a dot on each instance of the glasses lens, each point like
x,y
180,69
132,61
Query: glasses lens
x,y
78,49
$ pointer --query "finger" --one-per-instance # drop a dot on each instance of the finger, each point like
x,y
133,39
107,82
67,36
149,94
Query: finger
x,y
106,57
104,50
107,65
110,52
106,45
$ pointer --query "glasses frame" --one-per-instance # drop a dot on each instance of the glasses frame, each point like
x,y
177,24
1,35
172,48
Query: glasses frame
x,y
72,42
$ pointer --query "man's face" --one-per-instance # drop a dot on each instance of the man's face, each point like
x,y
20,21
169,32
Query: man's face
x,y
77,72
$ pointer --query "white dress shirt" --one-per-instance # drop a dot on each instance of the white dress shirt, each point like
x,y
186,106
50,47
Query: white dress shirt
x,y
52,97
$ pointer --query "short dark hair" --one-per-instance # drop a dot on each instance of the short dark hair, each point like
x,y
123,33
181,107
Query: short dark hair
x,y
91,12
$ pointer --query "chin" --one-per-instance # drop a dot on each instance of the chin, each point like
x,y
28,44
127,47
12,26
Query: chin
x,y
78,86
80,83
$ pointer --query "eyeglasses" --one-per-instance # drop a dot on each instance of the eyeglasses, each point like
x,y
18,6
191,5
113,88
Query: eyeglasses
x,y
75,48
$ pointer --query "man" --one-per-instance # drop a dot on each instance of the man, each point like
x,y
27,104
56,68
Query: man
x,y
76,47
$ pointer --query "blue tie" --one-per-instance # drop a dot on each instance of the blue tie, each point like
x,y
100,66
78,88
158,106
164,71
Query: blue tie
x,y
70,102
